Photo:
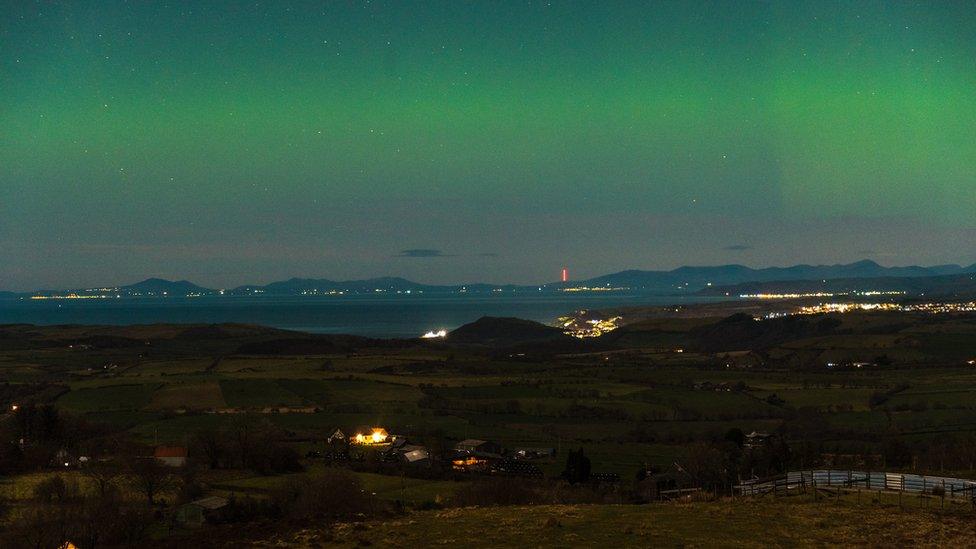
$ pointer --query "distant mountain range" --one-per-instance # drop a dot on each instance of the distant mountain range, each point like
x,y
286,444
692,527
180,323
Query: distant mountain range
x,y
684,280
694,279
324,286
151,287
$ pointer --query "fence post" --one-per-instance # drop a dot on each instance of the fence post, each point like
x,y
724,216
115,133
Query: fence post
x,y
943,494
921,494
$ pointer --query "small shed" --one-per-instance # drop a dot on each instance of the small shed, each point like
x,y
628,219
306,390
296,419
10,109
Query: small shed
x,y
476,446
200,511
416,455
758,440
172,456
399,443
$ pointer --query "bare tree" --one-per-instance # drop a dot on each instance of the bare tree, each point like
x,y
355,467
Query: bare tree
x,y
212,445
55,490
90,522
40,527
104,475
704,465
244,431
50,519
150,477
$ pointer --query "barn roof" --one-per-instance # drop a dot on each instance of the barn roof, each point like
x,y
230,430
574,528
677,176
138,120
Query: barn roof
x,y
419,454
170,452
471,442
211,503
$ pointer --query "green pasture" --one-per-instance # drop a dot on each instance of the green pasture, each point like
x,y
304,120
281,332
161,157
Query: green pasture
x,y
108,398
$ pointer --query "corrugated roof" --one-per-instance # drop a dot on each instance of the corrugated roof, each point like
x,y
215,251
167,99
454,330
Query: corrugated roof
x,y
212,502
416,455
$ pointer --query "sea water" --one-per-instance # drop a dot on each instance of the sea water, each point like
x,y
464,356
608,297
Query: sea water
x,y
375,316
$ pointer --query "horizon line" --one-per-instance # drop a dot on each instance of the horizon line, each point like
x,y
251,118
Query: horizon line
x,y
461,284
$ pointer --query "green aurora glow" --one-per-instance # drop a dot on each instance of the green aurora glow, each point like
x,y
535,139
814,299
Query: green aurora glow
x,y
241,142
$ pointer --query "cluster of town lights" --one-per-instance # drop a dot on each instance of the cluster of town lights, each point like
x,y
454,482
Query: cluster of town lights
x,y
846,308
595,327
818,294
593,289
931,308
75,296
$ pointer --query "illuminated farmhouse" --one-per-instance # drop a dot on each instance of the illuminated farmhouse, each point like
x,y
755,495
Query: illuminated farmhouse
x,y
375,435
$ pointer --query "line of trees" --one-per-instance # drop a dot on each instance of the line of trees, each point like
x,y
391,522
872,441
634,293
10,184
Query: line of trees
x,y
246,444
93,515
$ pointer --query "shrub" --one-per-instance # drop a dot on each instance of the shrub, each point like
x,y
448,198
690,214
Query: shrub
x,y
55,490
271,458
334,494
577,467
248,509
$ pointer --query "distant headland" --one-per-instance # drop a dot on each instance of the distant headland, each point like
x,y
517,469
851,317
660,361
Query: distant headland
x,y
723,280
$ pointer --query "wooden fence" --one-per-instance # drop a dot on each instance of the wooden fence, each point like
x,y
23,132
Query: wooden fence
x,y
881,481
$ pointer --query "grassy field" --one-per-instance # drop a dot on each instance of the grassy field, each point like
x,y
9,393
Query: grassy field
x,y
110,397
718,524
409,491
193,395
18,489
583,402
625,407
257,393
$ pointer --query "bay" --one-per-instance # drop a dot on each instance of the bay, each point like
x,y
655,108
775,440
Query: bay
x,y
374,316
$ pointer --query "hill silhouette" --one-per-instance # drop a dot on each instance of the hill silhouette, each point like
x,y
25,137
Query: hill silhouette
x,y
500,331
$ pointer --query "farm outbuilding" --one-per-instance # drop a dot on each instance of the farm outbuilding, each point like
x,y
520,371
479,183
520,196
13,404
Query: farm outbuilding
x,y
172,456
371,435
416,455
476,446
757,440
198,512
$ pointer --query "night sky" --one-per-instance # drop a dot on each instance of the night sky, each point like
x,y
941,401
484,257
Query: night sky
x,y
479,141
